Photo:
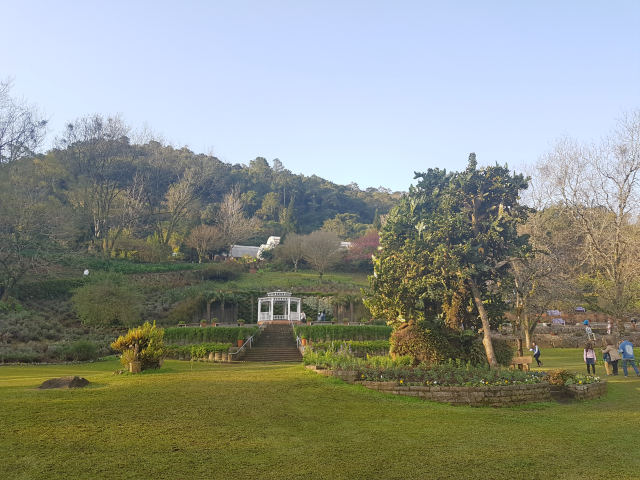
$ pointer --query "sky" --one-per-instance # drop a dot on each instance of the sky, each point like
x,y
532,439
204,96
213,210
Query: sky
x,y
353,91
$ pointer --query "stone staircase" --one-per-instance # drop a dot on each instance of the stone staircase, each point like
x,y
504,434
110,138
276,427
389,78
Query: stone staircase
x,y
275,344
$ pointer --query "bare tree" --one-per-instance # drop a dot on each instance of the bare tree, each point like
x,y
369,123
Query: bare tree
x,y
28,222
177,201
546,279
97,153
204,238
23,127
234,226
292,249
599,186
322,249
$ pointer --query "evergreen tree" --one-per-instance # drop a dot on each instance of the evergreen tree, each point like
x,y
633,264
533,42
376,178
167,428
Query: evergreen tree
x,y
446,248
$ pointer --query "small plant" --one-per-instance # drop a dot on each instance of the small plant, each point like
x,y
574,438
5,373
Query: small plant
x,y
559,376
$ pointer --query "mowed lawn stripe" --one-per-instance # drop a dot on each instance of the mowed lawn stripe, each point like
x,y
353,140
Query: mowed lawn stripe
x,y
282,421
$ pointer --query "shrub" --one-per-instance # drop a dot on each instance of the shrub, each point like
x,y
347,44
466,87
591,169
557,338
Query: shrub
x,y
107,301
319,333
79,351
422,345
223,272
189,308
207,334
145,344
503,351
559,376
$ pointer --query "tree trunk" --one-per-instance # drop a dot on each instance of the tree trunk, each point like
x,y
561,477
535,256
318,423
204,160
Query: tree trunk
x,y
209,311
222,310
527,337
486,327
519,347
351,311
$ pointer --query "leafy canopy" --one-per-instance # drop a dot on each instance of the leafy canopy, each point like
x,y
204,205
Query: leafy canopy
x,y
453,231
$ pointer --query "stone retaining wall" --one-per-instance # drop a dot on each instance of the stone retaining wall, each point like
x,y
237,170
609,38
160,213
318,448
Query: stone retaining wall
x,y
494,396
586,392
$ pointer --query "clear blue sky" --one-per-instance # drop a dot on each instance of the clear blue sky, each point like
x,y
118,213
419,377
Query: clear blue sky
x,y
363,91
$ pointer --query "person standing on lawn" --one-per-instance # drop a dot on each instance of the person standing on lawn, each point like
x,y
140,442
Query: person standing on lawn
x,y
536,353
590,358
614,356
626,349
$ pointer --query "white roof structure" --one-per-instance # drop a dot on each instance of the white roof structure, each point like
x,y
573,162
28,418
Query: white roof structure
x,y
239,251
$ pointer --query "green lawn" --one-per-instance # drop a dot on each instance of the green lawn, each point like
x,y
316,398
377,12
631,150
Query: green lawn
x,y
282,421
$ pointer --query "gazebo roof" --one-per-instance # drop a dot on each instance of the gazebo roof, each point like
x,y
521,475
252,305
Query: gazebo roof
x,y
278,294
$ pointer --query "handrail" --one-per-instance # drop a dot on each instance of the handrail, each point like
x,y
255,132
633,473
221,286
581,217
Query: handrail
x,y
249,340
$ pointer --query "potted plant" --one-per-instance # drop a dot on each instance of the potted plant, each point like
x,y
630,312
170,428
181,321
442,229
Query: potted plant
x,y
182,324
203,323
214,322
304,337
241,322
240,338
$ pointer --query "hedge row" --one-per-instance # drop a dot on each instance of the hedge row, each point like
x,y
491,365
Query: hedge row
x,y
331,333
199,350
191,335
366,346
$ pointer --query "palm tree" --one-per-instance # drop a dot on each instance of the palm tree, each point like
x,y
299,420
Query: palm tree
x,y
351,300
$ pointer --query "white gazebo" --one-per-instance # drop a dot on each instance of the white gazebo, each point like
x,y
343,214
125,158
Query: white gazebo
x,y
283,298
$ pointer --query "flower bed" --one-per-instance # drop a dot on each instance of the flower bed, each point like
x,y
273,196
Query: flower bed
x,y
449,375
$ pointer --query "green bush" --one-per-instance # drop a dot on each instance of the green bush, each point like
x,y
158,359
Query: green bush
x,y
223,272
200,350
107,301
80,351
48,289
503,351
421,344
148,340
320,333
191,335
186,310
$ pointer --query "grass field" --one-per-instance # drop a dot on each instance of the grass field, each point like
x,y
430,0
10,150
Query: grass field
x,y
282,421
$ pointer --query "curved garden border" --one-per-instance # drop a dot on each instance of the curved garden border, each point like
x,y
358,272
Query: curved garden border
x,y
492,396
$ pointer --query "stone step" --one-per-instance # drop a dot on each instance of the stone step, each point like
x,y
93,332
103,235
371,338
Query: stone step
x,y
275,344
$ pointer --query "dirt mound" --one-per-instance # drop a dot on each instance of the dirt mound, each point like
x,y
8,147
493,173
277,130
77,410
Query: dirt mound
x,y
65,382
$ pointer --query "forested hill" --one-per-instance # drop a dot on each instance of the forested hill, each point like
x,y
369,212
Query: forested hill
x,y
108,185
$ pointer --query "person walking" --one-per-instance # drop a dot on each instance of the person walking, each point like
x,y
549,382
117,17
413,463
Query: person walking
x,y
590,358
614,356
324,315
303,317
536,353
626,349
633,324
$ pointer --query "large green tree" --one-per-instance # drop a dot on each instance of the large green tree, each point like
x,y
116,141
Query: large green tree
x,y
445,250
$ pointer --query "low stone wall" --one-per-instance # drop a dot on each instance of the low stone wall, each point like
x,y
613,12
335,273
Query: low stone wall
x,y
494,396
586,392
